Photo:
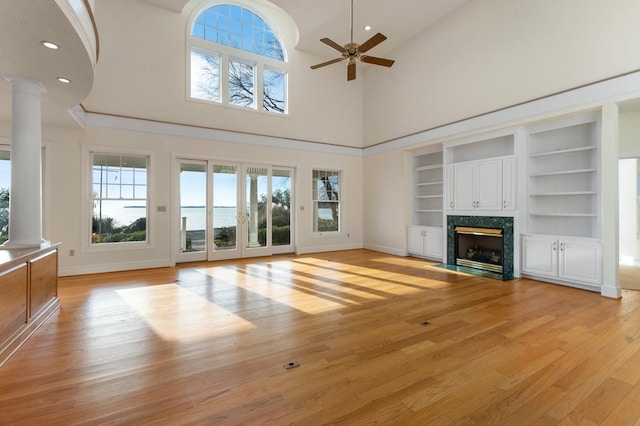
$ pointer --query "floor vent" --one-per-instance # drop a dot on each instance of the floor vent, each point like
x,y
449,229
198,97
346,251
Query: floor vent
x,y
291,364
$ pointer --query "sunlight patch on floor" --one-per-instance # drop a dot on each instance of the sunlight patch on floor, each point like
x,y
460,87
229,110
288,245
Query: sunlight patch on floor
x,y
310,294
177,314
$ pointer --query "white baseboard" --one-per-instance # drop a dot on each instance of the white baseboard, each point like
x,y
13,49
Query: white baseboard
x,y
611,291
113,267
322,249
387,250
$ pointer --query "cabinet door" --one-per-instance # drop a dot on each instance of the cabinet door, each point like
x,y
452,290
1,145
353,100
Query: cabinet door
x,y
488,184
433,243
415,239
463,183
509,183
540,255
449,188
581,261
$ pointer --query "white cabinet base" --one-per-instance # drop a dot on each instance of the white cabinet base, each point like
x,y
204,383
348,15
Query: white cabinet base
x,y
425,241
564,260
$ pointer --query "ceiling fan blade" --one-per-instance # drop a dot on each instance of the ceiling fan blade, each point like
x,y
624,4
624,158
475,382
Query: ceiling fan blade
x,y
351,71
324,64
372,42
333,44
377,61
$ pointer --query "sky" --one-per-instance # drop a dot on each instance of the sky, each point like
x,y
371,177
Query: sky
x,y
5,173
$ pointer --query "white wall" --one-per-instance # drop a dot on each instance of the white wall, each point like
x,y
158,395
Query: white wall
x,y
491,54
628,192
65,198
630,133
629,151
386,189
142,70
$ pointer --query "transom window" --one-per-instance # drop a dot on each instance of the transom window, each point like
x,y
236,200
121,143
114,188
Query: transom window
x,y
233,54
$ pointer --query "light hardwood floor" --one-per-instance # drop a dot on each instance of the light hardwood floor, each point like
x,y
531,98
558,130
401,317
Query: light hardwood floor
x,y
629,276
205,343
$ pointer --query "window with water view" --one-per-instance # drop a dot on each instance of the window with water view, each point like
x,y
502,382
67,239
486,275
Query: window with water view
x,y
119,185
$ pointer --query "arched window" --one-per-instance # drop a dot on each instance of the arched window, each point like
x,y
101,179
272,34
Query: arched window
x,y
233,51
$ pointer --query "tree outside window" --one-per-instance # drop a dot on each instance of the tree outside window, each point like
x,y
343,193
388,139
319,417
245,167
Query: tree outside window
x,y
119,184
326,201
234,39
5,188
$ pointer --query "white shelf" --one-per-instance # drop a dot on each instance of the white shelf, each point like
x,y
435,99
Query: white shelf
x,y
554,214
433,167
568,193
428,183
563,172
427,187
562,151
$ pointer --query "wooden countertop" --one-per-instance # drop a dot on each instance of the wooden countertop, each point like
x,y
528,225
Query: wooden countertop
x,y
11,256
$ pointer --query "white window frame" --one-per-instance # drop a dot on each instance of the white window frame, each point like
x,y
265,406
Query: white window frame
x,y
340,202
227,53
87,205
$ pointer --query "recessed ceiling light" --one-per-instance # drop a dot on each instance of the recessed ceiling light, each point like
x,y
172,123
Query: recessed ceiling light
x,y
49,44
64,80
367,27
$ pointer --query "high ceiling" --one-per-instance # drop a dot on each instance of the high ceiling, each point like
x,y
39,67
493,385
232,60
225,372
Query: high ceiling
x,y
399,20
24,23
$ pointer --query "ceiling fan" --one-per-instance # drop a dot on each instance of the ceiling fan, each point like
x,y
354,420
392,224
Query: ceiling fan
x,y
352,51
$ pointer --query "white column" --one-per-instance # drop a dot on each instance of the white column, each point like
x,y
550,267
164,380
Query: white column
x,y
609,189
25,205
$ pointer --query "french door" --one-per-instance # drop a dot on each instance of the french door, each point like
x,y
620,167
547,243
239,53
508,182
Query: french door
x,y
230,210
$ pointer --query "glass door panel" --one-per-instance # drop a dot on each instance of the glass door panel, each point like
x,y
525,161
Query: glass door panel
x,y
281,217
258,218
225,211
193,210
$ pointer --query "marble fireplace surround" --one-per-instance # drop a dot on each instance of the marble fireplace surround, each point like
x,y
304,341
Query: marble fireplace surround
x,y
497,222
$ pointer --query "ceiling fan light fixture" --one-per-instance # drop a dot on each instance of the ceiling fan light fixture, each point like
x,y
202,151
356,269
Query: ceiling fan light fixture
x,y
352,51
367,28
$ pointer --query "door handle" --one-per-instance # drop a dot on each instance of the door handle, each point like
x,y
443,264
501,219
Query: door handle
x,y
242,218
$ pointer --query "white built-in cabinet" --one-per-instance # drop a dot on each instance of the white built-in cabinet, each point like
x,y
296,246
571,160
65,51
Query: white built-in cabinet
x,y
557,198
424,237
575,260
481,174
428,188
478,185
563,234
425,241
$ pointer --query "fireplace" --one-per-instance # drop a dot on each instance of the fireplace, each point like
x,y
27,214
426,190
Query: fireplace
x,y
479,248
481,245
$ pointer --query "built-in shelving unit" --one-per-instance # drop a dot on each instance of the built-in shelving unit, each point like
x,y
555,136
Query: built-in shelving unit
x,y
562,169
428,188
